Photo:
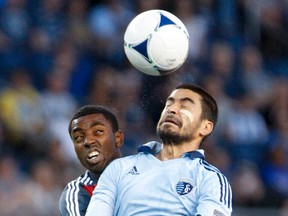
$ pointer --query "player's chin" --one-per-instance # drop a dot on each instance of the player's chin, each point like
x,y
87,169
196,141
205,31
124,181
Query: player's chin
x,y
96,166
171,139
168,133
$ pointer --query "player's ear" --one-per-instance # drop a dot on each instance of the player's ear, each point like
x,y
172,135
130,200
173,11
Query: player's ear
x,y
119,136
206,128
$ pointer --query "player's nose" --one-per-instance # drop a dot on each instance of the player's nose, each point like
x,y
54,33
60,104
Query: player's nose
x,y
89,140
172,110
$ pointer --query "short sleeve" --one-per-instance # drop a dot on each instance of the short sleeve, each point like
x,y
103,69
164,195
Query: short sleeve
x,y
215,197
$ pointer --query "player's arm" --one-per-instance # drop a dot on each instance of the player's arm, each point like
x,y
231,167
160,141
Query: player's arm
x,y
104,195
215,197
63,204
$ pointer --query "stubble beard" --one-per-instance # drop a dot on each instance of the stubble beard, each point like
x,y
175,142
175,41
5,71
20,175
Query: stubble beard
x,y
169,137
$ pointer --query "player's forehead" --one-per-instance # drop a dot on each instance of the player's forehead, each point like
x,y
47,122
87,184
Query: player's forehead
x,y
182,94
87,121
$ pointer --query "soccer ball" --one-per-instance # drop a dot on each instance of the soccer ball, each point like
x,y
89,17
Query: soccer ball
x,y
156,42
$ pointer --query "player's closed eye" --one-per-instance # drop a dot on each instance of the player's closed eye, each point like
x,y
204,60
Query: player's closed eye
x,y
186,105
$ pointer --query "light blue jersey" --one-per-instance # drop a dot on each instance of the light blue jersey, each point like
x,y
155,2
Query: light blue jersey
x,y
143,185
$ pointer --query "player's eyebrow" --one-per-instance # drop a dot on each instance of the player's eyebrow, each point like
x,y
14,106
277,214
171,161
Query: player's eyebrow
x,y
172,99
187,99
77,128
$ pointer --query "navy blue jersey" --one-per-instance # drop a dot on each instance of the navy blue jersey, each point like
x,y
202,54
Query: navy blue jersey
x,y
76,195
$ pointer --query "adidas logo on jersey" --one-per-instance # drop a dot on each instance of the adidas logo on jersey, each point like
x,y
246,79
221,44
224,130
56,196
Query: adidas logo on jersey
x,y
134,171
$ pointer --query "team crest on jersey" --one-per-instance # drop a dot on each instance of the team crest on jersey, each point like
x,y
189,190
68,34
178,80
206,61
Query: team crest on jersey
x,y
184,187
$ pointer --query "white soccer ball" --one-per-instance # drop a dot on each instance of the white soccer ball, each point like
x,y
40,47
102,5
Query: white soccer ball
x,y
156,42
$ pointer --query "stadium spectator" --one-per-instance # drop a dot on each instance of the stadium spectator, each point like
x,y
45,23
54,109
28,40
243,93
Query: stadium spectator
x,y
45,187
246,131
107,21
256,80
197,25
250,190
22,116
58,105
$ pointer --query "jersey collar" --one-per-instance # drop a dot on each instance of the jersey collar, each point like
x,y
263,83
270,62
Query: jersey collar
x,y
154,147
195,154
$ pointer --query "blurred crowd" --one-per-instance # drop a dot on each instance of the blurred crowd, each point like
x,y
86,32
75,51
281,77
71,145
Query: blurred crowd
x,y
57,55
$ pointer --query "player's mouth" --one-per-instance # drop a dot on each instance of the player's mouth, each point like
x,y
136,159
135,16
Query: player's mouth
x,y
92,156
171,121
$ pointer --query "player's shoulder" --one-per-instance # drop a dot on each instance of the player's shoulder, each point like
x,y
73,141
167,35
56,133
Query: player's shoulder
x,y
152,147
123,161
130,160
79,191
85,178
81,185
198,160
213,181
208,167
211,173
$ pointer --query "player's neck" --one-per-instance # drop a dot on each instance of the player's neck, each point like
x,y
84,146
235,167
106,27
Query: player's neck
x,y
171,151
96,175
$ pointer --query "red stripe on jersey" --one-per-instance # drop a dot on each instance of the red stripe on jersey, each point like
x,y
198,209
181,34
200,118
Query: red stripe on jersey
x,y
89,188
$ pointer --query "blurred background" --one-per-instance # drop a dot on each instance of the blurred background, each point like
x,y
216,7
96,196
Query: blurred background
x,y
57,55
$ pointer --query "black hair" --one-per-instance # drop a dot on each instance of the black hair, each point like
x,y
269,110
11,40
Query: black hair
x,y
96,109
208,103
